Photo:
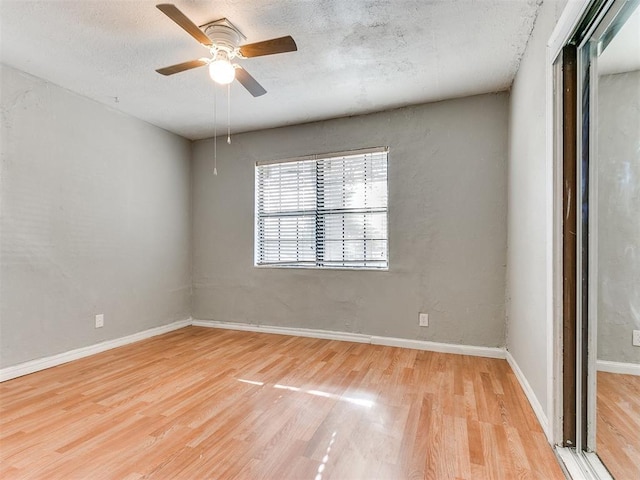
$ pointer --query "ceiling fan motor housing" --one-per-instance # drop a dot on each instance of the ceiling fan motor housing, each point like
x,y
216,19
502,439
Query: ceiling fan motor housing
x,y
224,36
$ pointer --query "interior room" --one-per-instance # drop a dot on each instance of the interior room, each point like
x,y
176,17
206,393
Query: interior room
x,y
324,240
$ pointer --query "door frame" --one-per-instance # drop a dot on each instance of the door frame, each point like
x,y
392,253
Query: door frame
x,y
569,21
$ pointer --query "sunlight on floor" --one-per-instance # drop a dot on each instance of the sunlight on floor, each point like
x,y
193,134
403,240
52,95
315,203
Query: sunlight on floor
x,y
362,402
325,459
250,381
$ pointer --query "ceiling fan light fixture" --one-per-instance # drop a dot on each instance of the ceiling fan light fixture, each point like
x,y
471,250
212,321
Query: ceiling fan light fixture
x,y
221,70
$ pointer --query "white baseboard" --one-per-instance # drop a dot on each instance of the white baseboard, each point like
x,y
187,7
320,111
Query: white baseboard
x,y
295,332
47,362
531,396
618,367
359,338
472,350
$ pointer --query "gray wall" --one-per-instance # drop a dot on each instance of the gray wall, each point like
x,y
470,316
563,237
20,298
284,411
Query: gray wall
x,y
95,218
447,188
618,216
528,301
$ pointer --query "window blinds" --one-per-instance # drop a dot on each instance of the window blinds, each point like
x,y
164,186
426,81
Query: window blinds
x,y
323,211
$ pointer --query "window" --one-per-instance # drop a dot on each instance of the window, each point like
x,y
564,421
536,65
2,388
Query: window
x,y
324,211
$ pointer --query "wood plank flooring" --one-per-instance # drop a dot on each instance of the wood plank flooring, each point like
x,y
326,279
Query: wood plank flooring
x,y
205,403
618,424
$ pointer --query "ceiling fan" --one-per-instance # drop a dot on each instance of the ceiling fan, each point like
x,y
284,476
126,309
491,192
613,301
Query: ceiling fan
x,y
223,40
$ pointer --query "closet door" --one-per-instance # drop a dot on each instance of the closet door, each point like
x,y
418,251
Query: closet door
x,y
613,244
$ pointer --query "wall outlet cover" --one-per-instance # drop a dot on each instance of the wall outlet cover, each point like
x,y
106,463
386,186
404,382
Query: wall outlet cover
x,y
423,319
636,338
100,320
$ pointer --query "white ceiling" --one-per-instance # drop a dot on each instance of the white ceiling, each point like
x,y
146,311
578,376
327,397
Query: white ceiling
x,y
623,53
354,56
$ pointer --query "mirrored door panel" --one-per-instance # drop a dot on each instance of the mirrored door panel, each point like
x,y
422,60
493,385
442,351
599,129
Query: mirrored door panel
x,y
614,243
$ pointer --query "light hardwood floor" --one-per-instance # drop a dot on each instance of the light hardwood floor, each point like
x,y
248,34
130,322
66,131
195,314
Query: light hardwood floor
x,y
204,403
618,424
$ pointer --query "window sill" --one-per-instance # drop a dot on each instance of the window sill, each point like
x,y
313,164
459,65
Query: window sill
x,y
347,269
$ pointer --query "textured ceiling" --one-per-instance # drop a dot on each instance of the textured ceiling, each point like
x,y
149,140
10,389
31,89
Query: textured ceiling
x,y
354,56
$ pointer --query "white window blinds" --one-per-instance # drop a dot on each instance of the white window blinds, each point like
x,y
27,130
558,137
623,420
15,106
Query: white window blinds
x,y
325,211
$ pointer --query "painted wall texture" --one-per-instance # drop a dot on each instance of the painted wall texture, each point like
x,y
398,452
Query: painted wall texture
x,y
528,301
618,216
447,228
95,218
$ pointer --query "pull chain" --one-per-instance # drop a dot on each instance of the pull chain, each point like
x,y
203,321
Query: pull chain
x,y
215,134
229,113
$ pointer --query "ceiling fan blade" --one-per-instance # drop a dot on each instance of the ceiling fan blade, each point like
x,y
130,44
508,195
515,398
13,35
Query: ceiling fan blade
x,y
269,47
248,82
181,19
181,67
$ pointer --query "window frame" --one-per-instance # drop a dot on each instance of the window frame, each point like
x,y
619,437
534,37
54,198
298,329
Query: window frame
x,y
316,158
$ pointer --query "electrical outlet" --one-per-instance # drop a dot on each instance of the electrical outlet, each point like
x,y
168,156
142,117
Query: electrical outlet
x,y
423,319
100,320
636,338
